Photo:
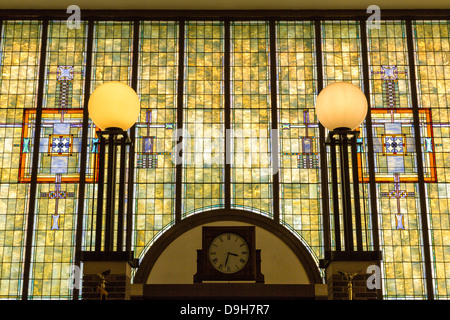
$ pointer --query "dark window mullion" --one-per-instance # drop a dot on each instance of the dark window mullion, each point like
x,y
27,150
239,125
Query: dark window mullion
x,y
35,163
322,147
274,120
83,157
227,115
131,155
419,159
180,99
369,132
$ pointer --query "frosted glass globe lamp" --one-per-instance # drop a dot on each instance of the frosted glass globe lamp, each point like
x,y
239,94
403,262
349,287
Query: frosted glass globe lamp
x,y
341,106
114,105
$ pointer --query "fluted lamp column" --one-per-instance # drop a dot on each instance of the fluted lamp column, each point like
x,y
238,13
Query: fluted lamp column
x,y
341,108
114,108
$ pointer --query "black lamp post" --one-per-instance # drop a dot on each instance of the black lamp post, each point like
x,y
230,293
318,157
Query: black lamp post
x,y
344,142
341,108
113,107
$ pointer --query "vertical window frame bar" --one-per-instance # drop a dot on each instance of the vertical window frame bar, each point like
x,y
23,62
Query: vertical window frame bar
x,y
180,93
131,152
322,137
227,115
274,120
369,132
83,158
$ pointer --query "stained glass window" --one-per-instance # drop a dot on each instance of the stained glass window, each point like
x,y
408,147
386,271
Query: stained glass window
x,y
154,144
57,120
59,161
111,61
251,167
203,154
432,58
20,53
299,131
395,155
341,50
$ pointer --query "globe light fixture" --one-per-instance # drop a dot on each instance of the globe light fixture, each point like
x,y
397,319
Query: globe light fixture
x,y
114,105
114,108
342,106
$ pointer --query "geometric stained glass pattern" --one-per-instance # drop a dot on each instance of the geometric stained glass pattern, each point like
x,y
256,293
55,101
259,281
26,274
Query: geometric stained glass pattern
x,y
65,73
59,153
388,60
59,149
394,146
390,89
65,66
395,161
307,157
64,83
147,158
60,144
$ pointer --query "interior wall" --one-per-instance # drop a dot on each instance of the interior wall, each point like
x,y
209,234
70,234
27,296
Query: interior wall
x,y
178,263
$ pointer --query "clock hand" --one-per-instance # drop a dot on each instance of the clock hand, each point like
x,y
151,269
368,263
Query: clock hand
x,y
228,254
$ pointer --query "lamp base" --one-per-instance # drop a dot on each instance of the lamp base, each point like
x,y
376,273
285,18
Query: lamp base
x,y
349,275
114,129
341,129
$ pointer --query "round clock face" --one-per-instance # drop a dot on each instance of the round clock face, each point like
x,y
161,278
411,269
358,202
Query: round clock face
x,y
228,253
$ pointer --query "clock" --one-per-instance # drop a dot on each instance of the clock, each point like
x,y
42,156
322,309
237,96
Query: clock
x,y
228,254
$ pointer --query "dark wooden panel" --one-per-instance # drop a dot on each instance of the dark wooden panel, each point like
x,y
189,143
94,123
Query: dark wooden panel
x,y
228,291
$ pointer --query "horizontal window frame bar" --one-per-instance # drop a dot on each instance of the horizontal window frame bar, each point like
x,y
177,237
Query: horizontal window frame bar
x,y
268,15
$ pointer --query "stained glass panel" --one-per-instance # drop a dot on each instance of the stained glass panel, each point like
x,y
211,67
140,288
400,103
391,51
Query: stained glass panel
x,y
155,166
432,58
299,131
59,161
342,62
341,52
396,162
19,69
111,61
203,155
251,167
